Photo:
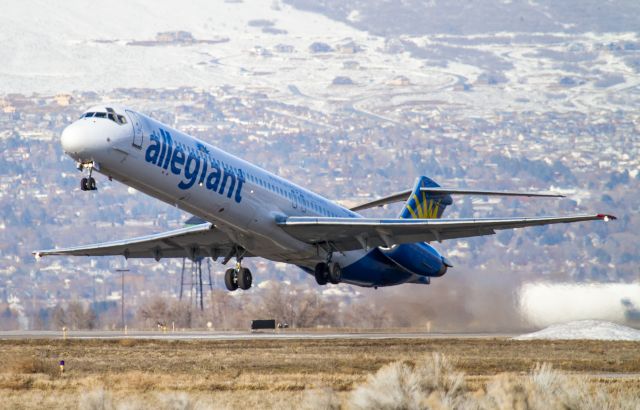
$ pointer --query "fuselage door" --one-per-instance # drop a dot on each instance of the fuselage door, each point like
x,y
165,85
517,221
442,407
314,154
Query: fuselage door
x,y
137,128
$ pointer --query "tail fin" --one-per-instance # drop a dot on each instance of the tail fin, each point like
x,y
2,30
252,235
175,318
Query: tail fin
x,y
423,205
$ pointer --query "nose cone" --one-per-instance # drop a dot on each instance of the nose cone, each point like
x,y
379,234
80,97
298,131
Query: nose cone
x,y
72,141
86,140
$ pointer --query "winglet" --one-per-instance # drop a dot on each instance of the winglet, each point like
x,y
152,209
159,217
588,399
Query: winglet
x,y
606,217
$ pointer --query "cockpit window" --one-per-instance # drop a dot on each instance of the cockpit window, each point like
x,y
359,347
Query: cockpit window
x,y
110,114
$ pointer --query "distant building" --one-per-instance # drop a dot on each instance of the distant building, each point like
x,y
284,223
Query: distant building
x,y
63,100
400,81
349,48
319,47
342,80
175,36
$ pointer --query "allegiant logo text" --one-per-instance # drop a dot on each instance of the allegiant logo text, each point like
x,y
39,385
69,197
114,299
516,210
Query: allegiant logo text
x,y
193,167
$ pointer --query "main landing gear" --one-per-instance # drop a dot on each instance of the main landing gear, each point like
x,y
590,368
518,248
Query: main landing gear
x,y
238,277
87,184
328,273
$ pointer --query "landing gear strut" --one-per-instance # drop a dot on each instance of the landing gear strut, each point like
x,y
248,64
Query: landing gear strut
x,y
238,277
87,184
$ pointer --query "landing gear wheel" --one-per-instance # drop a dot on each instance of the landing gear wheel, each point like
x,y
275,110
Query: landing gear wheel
x,y
321,273
231,279
244,278
91,184
335,274
83,184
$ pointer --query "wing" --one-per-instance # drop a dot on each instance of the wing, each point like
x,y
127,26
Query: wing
x,y
402,196
356,233
199,240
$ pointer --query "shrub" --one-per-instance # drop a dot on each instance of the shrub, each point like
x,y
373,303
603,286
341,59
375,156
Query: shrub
x,y
32,365
404,385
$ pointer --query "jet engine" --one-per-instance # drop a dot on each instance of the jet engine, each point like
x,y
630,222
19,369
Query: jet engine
x,y
419,258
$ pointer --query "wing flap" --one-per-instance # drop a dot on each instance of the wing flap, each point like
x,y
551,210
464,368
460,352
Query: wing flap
x,y
203,240
357,233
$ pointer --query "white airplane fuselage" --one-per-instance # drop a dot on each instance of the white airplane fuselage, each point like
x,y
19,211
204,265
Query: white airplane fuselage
x,y
239,198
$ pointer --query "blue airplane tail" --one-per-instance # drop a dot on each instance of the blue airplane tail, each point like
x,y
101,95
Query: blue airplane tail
x,y
425,205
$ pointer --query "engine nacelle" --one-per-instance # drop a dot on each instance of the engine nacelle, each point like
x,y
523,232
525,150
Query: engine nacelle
x,y
419,258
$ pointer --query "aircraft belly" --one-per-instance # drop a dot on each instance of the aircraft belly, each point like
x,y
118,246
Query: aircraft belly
x,y
263,238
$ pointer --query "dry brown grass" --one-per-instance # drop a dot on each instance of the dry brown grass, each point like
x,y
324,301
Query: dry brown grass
x,y
278,373
31,364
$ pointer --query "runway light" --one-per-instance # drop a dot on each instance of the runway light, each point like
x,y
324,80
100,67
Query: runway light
x,y
61,366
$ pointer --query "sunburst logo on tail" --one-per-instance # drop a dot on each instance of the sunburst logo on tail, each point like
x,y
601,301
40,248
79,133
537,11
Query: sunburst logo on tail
x,y
426,209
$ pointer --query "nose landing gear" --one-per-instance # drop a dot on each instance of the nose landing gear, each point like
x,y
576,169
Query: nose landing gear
x,y
87,184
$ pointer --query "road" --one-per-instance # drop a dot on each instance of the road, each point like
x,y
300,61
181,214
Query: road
x,y
238,335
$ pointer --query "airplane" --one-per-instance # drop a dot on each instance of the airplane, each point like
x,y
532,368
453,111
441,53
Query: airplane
x,y
247,212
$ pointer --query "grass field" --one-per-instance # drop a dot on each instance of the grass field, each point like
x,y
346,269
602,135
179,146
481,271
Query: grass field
x,y
131,373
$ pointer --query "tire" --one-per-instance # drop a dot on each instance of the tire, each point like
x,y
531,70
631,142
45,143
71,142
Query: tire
x,y
91,184
335,274
321,273
244,279
230,280
83,184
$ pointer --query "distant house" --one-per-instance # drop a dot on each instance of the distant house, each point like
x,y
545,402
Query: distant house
x,y
175,36
400,81
63,100
318,47
342,80
349,48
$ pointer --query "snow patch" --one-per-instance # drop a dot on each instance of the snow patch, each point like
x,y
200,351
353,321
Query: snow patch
x,y
585,330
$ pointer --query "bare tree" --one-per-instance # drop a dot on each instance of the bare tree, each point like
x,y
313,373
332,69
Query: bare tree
x,y
153,311
58,318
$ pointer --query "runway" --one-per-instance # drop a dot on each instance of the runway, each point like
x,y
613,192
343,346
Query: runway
x,y
240,335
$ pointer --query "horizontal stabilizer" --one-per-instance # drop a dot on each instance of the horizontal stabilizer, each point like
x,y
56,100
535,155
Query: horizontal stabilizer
x,y
403,195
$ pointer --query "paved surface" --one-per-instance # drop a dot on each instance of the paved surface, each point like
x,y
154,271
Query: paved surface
x,y
216,335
